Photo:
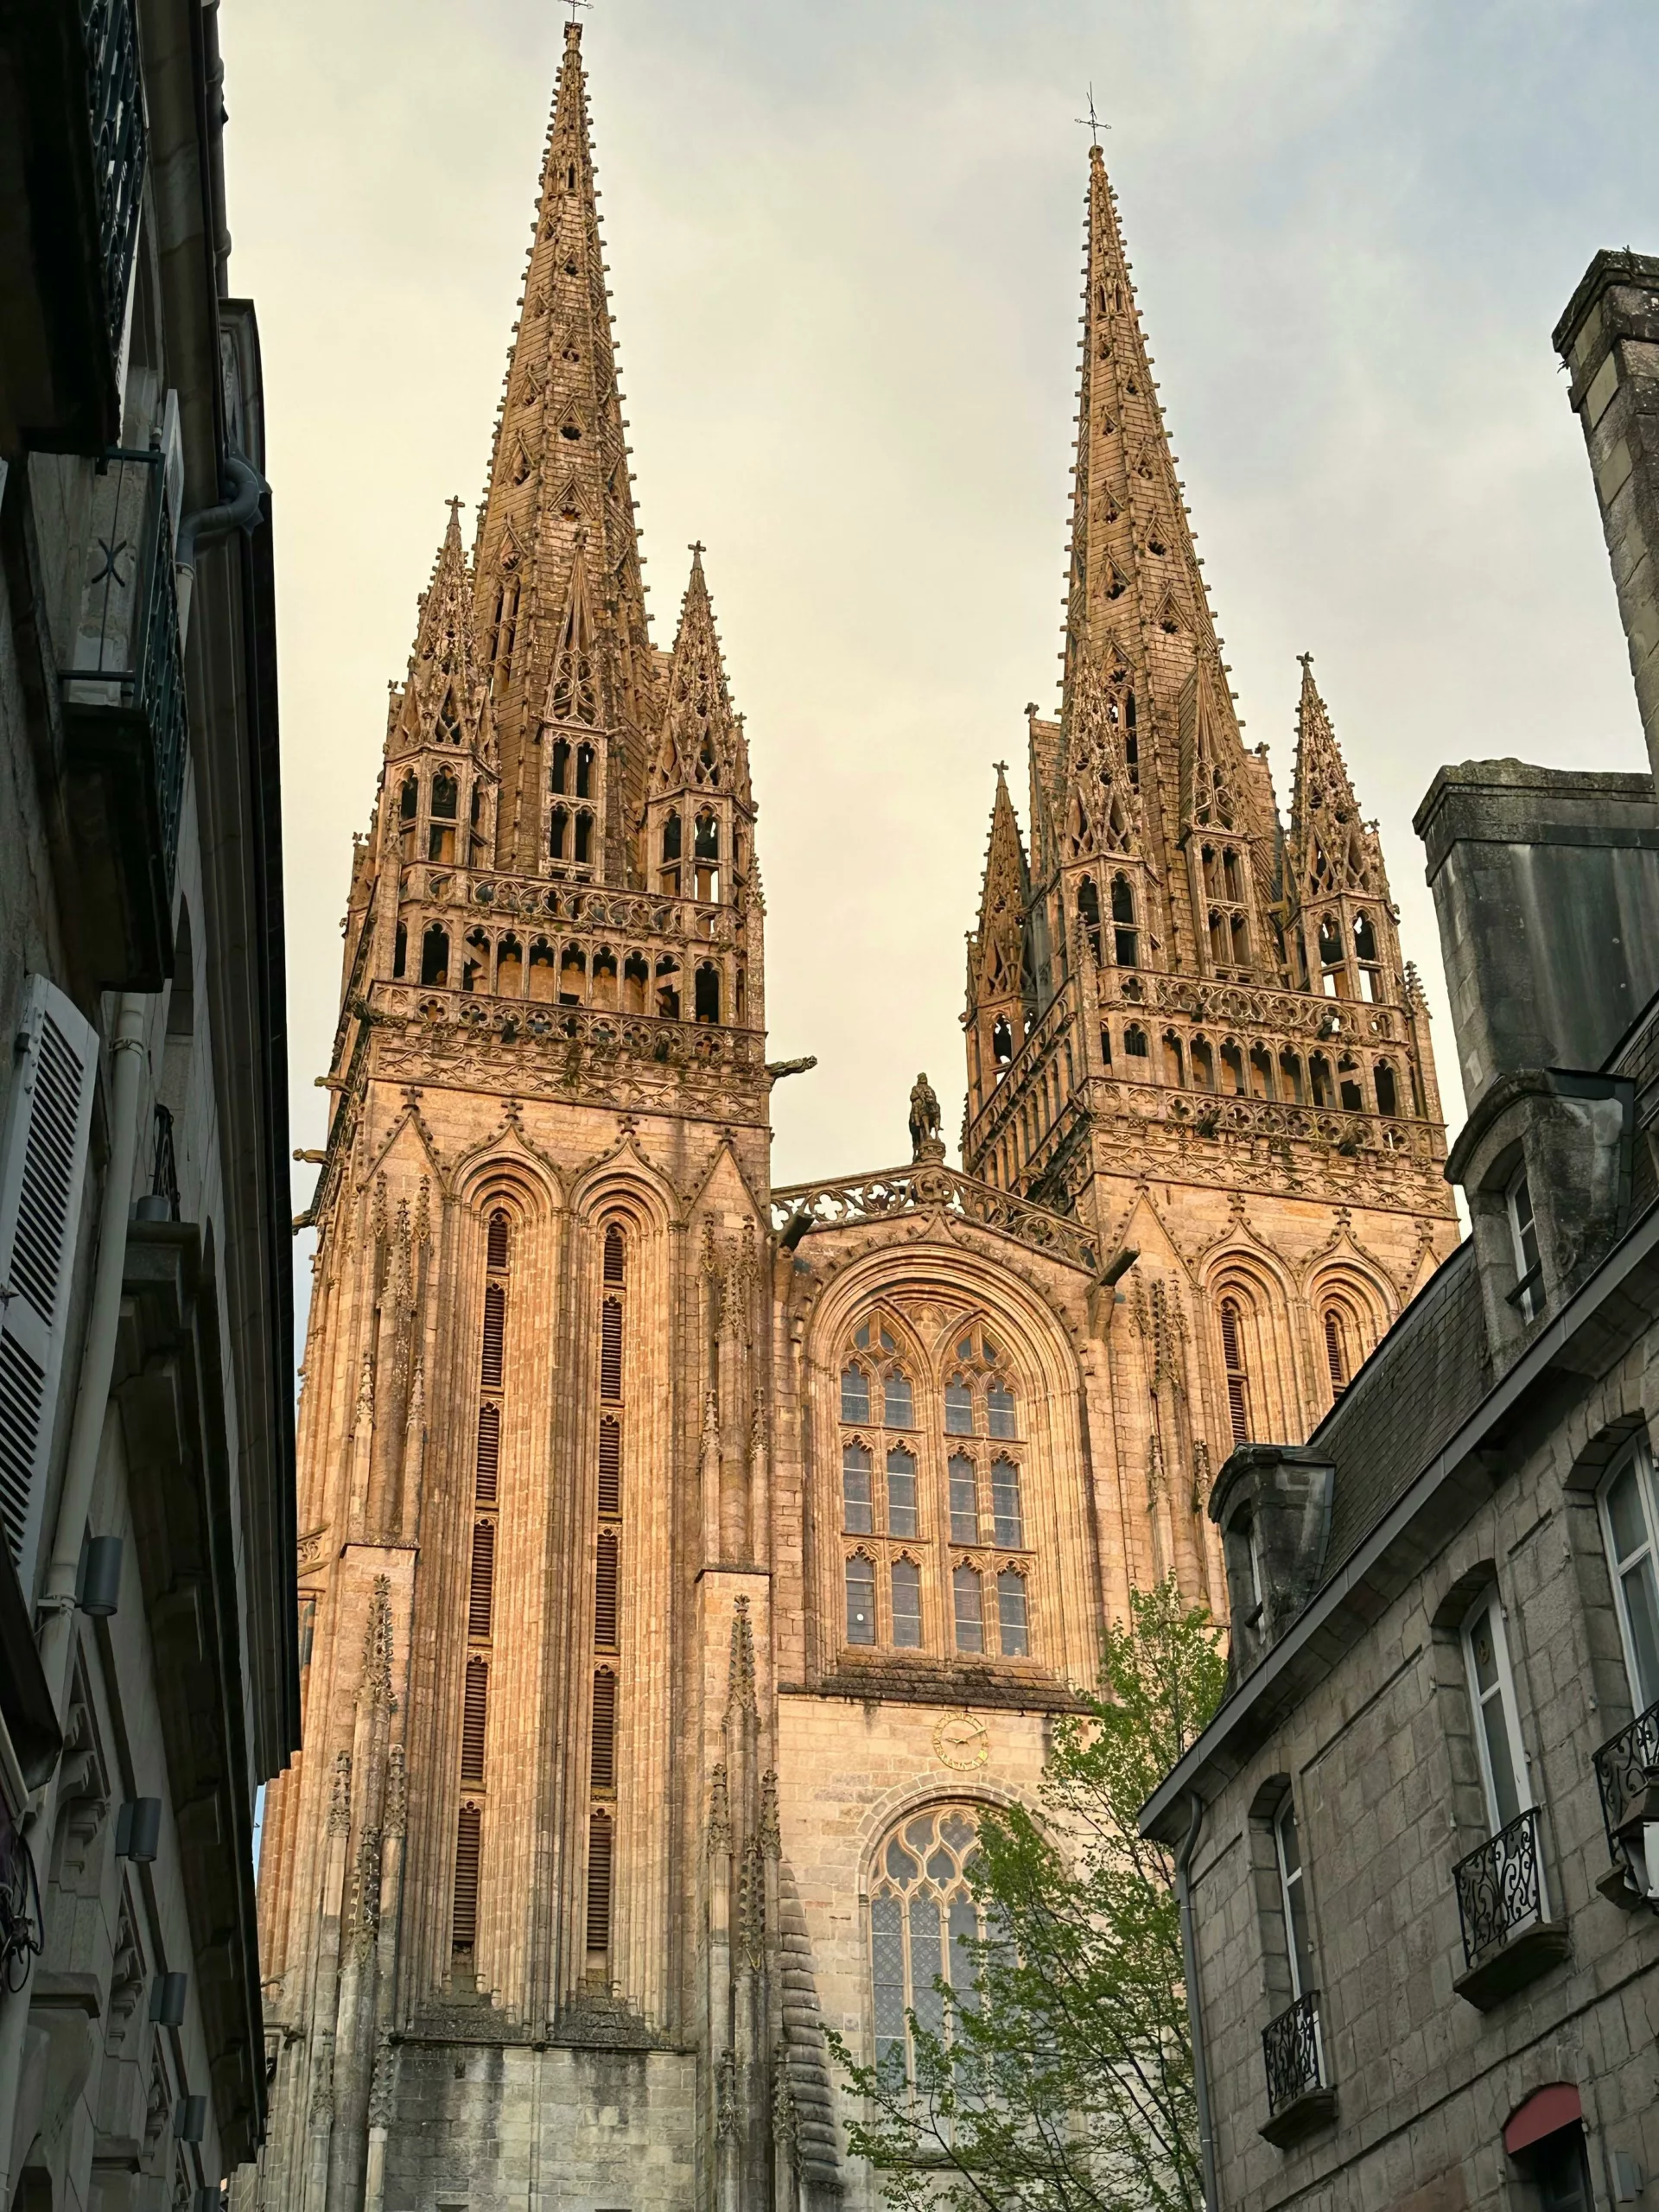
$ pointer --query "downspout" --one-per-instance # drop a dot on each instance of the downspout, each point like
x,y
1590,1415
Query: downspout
x,y
207,525
57,1602
1195,2003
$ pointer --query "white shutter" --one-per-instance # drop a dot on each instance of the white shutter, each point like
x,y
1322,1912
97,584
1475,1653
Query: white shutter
x,y
43,1169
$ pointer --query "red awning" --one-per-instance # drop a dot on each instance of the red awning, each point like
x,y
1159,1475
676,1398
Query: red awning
x,y
1544,2112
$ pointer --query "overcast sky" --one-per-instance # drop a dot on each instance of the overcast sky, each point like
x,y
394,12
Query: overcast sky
x,y
845,241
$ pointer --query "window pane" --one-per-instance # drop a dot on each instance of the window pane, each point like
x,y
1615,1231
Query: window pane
x,y
854,1395
1507,1806
970,1628
906,1603
888,1972
964,1504
1295,1901
1005,1505
898,1407
1011,1612
1624,1514
901,1493
861,1601
1000,1404
926,1964
958,1409
1640,1592
855,1489
962,1964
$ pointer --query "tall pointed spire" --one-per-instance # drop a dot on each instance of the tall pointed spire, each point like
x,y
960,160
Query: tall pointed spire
x,y
1331,849
997,962
557,545
700,745
444,699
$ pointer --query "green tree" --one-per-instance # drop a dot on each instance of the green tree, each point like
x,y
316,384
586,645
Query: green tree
x,y
1059,2076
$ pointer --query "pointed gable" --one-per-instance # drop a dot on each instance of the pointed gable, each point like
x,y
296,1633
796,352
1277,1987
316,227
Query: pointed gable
x,y
1331,848
443,701
700,745
996,949
1103,814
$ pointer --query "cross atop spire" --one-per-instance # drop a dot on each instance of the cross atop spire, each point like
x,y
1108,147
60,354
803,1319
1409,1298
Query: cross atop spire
x,y
1093,123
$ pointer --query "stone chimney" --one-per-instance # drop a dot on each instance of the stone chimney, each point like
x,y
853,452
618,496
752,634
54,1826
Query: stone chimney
x,y
1609,339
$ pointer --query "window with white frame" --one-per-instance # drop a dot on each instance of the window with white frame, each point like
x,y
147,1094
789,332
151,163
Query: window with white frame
x,y
1524,1232
1629,1523
1497,1734
1292,1898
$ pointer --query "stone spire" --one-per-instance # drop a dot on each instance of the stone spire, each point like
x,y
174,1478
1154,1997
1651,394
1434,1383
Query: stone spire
x,y
1331,849
557,571
444,699
699,747
997,964
1139,621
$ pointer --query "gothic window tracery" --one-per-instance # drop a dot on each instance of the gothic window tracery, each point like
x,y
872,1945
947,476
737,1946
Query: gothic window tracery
x,y
932,1500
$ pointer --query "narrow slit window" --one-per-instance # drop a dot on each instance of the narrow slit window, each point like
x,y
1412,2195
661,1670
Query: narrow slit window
x,y
495,1326
969,1602
1232,1351
601,1845
489,1454
602,1767
610,1467
1007,1520
1336,1350
616,1255
856,1509
1013,1628
605,1592
901,1492
906,1605
500,1229
475,1720
610,1349
463,1937
861,1600
480,1596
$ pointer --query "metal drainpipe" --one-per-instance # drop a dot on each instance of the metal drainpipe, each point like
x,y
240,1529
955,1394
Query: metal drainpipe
x,y
57,1602
1195,2003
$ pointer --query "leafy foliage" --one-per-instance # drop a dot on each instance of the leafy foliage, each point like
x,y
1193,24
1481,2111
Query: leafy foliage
x,y
1060,2077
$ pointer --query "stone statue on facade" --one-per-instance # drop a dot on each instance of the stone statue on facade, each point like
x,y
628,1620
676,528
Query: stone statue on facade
x,y
925,1142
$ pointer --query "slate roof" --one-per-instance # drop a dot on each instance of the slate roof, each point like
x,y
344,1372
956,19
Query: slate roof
x,y
1421,1384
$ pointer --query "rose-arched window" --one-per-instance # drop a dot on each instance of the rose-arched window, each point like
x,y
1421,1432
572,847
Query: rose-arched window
x,y
925,1924
934,1505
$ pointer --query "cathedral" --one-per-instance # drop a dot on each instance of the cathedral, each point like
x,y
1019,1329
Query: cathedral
x,y
685,1560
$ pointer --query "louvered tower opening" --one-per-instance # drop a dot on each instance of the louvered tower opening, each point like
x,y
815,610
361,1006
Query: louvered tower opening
x,y
605,1693
481,1586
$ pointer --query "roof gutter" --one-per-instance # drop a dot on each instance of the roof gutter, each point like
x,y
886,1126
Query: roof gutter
x,y
1330,1606
1195,2002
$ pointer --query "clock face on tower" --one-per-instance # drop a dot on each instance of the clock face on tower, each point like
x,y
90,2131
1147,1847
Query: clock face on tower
x,y
961,1741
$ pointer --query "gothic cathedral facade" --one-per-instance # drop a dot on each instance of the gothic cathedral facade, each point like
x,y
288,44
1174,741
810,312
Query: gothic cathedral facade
x,y
684,1560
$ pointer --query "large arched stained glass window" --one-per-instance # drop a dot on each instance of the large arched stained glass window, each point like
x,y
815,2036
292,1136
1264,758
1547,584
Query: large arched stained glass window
x,y
924,1922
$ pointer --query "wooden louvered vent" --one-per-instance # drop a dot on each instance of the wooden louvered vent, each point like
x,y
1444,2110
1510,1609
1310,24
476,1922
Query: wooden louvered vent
x,y
610,1466
480,1605
496,1258
468,1839
495,1329
610,1351
603,1764
1232,1349
42,1170
601,1845
489,1452
475,1717
616,1255
605,1597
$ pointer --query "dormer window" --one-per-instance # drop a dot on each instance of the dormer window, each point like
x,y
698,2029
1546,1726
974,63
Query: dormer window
x,y
1528,1294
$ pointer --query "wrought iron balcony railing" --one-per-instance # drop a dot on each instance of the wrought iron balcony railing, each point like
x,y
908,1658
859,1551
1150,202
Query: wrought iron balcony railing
x,y
1624,1766
124,712
1294,2053
115,104
1500,1887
